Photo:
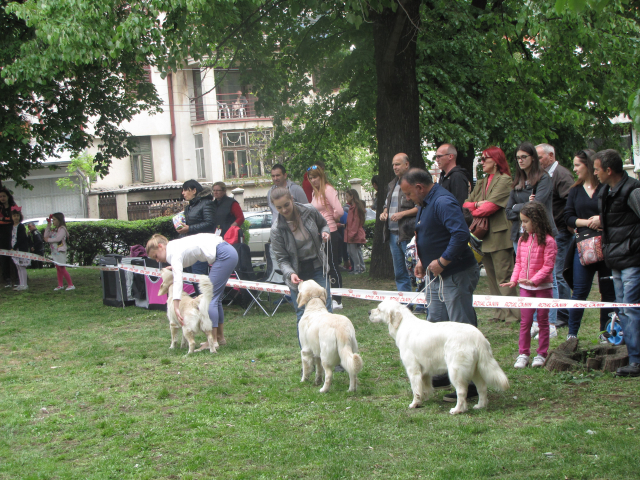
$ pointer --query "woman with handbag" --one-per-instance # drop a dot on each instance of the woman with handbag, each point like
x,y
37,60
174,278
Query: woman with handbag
x,y
487,205
584,257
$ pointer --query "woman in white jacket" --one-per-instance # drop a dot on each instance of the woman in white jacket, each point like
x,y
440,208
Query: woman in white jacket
x,y
184,252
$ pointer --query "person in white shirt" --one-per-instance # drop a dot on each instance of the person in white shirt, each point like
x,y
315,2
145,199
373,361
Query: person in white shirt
x,y
184,252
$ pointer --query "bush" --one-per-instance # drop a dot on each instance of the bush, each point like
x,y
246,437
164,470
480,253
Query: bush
x,y
88,241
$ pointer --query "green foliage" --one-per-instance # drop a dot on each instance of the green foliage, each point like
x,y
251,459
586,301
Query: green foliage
x,y
83,171
90,240
59,100
516,71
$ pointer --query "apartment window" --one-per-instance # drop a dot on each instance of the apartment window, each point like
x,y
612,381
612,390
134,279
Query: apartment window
x,y
202,172
142,162
244,153
197,103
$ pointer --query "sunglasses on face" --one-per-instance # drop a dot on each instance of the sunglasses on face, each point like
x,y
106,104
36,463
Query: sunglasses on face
x,y
484,159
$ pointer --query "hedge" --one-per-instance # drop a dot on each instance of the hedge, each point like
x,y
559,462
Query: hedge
x,y
90,240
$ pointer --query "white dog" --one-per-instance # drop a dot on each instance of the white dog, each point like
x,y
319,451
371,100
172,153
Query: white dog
x,y
194,311
428,349
326,339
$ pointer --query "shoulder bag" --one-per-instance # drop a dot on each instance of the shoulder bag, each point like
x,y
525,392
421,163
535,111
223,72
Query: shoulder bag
x,y
480,225
589,244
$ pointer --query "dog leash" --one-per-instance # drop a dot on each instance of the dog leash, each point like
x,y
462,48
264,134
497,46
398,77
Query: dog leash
x,y
440,290
325,262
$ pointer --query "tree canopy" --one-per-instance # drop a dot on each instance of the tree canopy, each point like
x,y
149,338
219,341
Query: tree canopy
x,y
337,76
48,105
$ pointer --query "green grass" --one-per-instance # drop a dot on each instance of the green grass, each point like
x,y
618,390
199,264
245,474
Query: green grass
x,y
119,404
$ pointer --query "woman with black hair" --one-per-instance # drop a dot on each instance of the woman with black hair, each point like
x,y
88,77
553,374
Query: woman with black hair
x,y
6,227
582,213
199,217
531,183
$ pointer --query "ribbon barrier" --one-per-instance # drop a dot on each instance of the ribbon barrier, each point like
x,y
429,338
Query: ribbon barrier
x,y
480,301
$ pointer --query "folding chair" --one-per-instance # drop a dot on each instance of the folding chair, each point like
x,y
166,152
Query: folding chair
x,y
273,276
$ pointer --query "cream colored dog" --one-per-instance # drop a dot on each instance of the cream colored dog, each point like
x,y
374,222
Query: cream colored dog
x,y
428,349
194,311
326,339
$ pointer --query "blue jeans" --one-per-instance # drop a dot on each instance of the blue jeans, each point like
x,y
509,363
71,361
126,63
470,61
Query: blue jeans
x,y
563,240
627,285
553,313
398,253
320,280
582,281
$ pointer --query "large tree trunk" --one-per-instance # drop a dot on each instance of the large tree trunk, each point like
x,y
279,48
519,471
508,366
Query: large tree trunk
x,y
397,107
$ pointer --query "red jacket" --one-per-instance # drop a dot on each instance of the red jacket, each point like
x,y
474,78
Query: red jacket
x,y
353,230
535,262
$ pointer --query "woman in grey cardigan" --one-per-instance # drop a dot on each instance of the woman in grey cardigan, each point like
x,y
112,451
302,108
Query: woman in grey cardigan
x,y
531,183
296,240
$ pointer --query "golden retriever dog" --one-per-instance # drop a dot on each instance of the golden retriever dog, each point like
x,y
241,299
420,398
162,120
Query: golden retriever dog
x,y
326,339
194,311
428,349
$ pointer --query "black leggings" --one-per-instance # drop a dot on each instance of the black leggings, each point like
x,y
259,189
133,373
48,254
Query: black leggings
x,y
335,255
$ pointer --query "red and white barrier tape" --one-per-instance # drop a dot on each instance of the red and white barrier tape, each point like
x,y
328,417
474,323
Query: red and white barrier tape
x,y
33,256
482,301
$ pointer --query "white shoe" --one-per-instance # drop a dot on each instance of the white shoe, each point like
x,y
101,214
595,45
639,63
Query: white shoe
x,y
534,329
58,288
538,361
21,287
336,305
522,361
72,287
553,332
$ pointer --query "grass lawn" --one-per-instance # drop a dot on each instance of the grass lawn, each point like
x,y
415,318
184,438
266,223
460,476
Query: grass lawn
x,y
89,391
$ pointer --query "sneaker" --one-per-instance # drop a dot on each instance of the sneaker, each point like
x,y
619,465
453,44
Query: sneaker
x,y
553,331
8,285
72,287
58,288
522,361
441,381
21,288
336,305
534,329
604,337
631,370
570,336
452,397
538,361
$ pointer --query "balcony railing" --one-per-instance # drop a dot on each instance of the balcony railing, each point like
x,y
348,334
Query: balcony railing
x,y
231,106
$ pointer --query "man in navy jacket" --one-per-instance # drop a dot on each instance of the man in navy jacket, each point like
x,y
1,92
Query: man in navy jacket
x,y
442,238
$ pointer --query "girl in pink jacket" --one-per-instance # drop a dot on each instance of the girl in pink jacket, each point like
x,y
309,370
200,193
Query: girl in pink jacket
x,y
354,235
533,272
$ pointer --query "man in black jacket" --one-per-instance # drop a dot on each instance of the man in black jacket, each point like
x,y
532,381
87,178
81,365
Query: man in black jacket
x,y
619,204
561,180
36,244
453,178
